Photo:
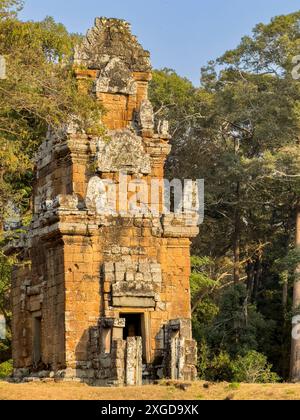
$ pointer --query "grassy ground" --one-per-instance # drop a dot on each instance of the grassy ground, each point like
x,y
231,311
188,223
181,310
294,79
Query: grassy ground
x,y
74,391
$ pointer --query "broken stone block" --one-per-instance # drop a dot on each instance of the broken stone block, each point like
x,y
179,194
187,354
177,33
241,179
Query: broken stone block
x,y
163,128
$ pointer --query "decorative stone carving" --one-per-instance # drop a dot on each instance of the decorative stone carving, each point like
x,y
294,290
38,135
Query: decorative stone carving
x,y
146,115
111,38
96,197
116,78
66,202
124,151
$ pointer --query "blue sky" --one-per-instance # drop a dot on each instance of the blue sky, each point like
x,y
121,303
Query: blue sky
x,y
180,34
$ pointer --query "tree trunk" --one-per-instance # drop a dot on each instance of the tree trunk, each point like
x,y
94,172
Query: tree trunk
x,y
237,238
258,276
295,350
285,290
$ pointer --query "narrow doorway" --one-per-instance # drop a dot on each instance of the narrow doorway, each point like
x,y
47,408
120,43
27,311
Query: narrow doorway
x,y
135,326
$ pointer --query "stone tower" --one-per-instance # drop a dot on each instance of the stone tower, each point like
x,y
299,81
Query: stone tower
x,y
104,297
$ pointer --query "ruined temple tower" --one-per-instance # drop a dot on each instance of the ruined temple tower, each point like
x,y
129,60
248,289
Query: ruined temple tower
x,y
104,297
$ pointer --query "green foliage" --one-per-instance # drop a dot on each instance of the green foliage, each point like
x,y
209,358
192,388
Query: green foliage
x,y
6,369
254,368
220,369
239,327
171,93
240,132
270,48
200,279
204,309
289,262
203,359
175,98
10,8
39,93
234,386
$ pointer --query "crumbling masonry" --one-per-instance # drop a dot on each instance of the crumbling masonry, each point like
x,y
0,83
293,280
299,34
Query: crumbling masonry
x,y
104,299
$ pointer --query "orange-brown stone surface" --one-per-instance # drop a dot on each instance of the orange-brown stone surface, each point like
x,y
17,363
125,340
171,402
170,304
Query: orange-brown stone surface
x,y
90,282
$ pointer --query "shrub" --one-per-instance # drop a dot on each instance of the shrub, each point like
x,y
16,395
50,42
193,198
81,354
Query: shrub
x,y
220,369
203,359
253,368
6,369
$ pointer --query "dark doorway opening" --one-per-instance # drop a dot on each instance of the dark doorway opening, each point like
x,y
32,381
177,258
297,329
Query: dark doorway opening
x,y
133,325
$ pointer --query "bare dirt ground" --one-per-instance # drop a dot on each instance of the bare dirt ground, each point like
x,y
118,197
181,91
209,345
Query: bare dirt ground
x,y
197,391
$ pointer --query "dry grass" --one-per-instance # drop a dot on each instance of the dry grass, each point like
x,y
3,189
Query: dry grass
x,y
74,391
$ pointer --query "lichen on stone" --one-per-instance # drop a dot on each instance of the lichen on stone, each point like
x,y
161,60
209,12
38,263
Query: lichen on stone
x,y
124,152
111,38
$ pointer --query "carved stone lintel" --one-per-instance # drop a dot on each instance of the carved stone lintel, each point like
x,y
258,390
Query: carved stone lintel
x,y
124,151
116,78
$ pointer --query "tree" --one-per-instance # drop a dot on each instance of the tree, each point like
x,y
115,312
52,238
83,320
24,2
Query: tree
x,y
10,8
253,368
241,133
40,92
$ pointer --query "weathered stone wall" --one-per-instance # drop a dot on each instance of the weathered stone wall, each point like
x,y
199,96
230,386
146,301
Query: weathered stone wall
x,y
38,291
